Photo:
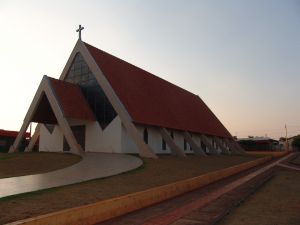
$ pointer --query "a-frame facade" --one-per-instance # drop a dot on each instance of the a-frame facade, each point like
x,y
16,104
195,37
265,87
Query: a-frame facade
x,y
113,121
46,99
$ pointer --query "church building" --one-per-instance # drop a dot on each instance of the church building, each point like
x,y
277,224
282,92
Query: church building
x,y
102,103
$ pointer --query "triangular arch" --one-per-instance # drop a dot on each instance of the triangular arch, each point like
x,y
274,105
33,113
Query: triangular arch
x,y
47,96
144,149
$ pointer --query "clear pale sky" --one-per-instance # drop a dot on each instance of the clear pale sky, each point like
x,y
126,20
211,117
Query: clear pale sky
x,y
241,57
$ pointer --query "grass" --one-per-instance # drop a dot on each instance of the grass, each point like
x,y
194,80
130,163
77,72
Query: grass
x,y
19,164
276,203
162,171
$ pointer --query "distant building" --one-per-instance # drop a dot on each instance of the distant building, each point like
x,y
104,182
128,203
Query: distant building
x,y
288,144
7,138
259,144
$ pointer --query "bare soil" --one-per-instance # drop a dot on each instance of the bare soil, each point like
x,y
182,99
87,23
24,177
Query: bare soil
x,y
20,164
153,173
278,203
296,160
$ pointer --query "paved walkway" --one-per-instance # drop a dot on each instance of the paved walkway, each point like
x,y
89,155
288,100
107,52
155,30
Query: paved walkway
x,y
289,167
92,166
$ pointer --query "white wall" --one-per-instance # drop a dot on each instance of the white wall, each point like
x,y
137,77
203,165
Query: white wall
x,y
114,138
179,140
128,146
50,142
155,140
96,139
107,140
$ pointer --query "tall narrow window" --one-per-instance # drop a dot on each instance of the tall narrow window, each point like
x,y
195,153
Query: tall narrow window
x,y
146,135
203,146
163,145
172,135
184,144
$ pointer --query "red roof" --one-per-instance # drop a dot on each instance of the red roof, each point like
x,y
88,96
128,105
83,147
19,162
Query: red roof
x,y
9,133
71,100
151,100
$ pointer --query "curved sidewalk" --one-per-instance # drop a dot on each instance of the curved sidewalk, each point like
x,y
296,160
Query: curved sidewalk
x,y
92,166
289,167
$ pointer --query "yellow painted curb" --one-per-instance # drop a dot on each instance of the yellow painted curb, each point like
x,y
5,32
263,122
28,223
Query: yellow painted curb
x,y
274,154
110,208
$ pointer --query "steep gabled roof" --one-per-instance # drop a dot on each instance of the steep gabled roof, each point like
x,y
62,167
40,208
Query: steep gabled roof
x,y
153,101
71,100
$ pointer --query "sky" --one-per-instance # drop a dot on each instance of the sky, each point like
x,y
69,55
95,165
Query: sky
x,y
241,57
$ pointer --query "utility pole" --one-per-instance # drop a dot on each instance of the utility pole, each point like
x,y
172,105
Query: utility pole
x,y
286,140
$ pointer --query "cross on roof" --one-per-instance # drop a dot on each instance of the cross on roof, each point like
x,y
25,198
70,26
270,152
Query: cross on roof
x,y
79,31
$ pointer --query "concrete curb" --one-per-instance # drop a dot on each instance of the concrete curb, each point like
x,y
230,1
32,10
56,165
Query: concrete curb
x,y
269,153
110,208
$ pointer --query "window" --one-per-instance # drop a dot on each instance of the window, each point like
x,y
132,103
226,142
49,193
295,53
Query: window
x,y
214,144
172,135
50,127
184,144
163,144
80,74
146,135
189,144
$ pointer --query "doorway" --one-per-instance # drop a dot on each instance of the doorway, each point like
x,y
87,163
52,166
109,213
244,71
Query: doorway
x,y
79,133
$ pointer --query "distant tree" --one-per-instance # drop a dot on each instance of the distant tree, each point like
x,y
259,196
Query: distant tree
x,y
296,142
282,139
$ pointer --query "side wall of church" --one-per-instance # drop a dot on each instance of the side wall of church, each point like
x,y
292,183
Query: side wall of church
x,y
107,140
50,142
128,146
114,138
96,139
155,140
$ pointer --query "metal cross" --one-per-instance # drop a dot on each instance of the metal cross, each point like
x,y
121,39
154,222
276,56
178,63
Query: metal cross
x,y
79,31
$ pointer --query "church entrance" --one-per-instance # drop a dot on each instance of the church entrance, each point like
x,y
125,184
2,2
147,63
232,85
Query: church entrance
x,y
79,133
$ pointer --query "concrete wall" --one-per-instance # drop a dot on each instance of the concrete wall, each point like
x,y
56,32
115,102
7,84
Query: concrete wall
x,y
51,142
128,146
155,140
107,140
96,139
114,138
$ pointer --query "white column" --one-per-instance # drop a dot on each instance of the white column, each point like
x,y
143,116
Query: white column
x,y
176,150
197,149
